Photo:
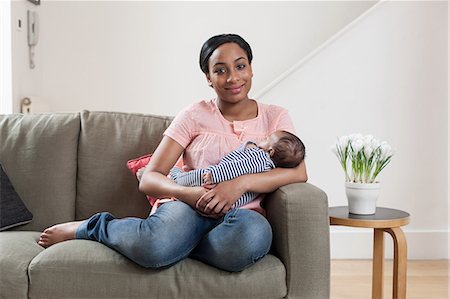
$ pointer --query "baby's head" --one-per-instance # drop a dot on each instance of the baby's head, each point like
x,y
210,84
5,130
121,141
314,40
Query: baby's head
x,y
285,149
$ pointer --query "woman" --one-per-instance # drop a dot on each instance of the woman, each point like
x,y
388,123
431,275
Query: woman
x,y
201,223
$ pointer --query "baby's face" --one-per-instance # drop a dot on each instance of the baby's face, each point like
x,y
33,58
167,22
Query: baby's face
x,y
267,144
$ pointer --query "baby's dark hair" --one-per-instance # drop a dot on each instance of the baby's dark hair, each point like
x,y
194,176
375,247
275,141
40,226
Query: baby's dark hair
x,y
289,151
214,42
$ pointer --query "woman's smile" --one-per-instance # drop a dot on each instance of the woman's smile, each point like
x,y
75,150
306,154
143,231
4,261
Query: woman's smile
x,y
235,89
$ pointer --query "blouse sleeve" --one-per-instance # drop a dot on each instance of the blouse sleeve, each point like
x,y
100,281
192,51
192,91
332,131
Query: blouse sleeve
x,y
181,128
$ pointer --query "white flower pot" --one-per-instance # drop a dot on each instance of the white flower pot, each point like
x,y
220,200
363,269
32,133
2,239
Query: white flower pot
x,y
362,197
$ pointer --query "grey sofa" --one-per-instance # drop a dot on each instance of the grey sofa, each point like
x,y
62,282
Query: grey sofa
x,y
68,166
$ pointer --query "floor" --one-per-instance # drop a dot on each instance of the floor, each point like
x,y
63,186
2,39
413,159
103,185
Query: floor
x,y
427,279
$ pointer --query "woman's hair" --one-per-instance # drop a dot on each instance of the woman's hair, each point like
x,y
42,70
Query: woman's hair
x,y
289,151
214,42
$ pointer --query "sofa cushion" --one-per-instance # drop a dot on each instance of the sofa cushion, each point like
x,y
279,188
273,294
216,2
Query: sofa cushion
x,y
13,211
39,153
17,250
60,270
107,141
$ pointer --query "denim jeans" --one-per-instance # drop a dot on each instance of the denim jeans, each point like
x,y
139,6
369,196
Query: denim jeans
x,y
177,231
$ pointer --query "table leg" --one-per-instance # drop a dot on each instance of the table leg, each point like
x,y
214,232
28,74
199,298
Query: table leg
x,y
378,263
400,262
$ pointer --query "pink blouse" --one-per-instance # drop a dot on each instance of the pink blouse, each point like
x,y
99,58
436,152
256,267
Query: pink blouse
x,y
207,136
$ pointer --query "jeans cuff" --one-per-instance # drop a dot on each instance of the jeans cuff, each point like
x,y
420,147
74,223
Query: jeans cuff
x,y
81,232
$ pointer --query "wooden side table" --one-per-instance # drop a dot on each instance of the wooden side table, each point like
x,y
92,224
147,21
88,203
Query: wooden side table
x,y
384,220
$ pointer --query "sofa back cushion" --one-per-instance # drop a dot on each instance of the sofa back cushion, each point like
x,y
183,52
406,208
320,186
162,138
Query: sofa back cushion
x,y
107,141
38,152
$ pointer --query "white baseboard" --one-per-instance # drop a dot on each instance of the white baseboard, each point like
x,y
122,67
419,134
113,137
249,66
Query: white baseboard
x,y
349,243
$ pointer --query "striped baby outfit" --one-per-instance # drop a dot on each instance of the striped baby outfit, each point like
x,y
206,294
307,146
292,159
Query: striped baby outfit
x,y
207,136
248,158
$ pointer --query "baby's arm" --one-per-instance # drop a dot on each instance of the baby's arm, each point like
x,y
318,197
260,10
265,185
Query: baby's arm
x,y
245,163
190,179
235,164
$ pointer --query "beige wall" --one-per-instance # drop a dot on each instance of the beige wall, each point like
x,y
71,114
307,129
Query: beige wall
x,y
25,81
5,58
142,56
448,133
385,75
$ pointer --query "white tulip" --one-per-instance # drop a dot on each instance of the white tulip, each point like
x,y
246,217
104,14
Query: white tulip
x,y
343,142
386,150
364,167
357,145
354,137
375,143
368,150
368,139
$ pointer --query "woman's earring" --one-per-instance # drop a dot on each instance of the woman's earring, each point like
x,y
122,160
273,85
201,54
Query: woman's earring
x,y
210,84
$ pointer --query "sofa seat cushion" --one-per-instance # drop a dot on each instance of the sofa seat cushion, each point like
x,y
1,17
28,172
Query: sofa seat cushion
x,y
17,249
60,270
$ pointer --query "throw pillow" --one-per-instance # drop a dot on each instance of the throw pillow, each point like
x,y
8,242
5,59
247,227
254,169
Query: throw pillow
x,y
13,211
137,167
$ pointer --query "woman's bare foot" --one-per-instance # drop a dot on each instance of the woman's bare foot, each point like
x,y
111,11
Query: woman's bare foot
x,y
58,233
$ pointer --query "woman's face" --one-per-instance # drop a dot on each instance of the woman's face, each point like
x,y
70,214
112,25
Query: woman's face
x,y
230,73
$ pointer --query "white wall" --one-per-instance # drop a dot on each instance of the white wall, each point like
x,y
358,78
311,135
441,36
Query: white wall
x,y
142,57
448,130
5,58
386,76
26,82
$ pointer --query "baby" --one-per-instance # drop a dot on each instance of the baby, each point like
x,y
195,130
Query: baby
x,y
280,149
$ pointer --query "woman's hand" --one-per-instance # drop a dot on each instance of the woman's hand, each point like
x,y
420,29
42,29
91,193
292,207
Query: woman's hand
x,y
191,195
219,200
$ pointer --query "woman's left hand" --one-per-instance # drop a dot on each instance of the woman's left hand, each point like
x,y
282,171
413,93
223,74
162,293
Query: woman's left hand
x,y
220,199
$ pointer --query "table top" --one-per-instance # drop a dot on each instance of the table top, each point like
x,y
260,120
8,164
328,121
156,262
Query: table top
x,y
383,218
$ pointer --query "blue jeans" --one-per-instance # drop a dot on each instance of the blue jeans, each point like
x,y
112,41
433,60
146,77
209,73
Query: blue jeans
x,y
177,231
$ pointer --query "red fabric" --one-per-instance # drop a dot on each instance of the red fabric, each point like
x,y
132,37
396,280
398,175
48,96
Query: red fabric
x,y
141,162
135,164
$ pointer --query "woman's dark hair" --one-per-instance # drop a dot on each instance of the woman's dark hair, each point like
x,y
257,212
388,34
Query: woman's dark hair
x,y
214,42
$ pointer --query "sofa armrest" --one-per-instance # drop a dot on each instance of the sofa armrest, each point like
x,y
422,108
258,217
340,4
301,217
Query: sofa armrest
x,y
298,214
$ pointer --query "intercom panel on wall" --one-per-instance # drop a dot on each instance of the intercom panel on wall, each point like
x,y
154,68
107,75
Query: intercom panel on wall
x,y
33,34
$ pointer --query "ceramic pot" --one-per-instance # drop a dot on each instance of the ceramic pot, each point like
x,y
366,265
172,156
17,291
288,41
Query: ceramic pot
x,y
362,197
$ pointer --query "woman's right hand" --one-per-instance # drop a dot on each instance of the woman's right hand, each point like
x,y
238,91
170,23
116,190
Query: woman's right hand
x,y
192,194
219,200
